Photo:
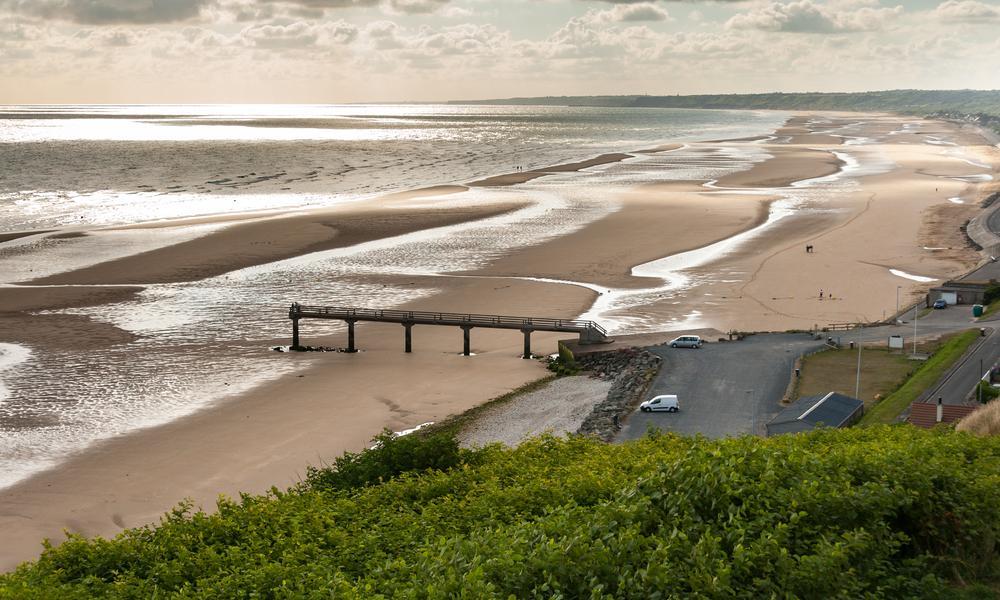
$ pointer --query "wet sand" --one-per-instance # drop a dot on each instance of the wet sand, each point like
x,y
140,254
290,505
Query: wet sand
x,y
258,242
337,401
526,176
658,223
788,166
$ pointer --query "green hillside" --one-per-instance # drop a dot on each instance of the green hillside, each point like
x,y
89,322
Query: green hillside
x,y
982,106
883,512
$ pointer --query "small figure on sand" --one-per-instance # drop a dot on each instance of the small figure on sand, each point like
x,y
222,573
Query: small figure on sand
x,y
821,294
809,249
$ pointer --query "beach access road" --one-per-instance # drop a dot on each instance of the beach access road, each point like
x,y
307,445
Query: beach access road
x,y
959,382
725,388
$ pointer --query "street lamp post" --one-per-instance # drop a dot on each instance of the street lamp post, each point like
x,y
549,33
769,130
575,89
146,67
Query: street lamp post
x,y
979,385
857,382
915,328
897,301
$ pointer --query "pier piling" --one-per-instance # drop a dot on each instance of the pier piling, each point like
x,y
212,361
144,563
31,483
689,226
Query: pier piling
x,y
466,338
589,331
350,336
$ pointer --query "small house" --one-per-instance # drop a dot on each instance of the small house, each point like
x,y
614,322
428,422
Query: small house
x,y
805,414
958,292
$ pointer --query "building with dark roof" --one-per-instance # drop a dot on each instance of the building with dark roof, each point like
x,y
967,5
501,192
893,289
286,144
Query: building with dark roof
x,y
831,410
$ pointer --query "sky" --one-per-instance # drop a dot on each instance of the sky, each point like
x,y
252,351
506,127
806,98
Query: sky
x,y
331,51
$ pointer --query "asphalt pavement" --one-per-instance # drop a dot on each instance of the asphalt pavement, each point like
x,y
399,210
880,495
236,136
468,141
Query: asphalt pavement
x,y
724,388
956,385
735,388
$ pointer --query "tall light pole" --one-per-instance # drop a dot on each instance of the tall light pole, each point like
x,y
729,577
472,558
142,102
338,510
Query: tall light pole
x,y
915,328
857,382
897,302
979,386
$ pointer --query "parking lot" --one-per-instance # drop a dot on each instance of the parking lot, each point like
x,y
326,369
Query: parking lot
x,y
724,388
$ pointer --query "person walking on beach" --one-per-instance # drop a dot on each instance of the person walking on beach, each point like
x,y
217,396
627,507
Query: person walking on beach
x,y
821,294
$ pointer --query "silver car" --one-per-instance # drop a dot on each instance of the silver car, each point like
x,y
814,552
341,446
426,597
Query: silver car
x,y
686,341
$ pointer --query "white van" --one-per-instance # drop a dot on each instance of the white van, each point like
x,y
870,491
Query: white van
x,y
686,341
667,402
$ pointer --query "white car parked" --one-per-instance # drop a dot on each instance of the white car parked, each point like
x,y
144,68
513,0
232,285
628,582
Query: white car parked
x,y
667,402
686,341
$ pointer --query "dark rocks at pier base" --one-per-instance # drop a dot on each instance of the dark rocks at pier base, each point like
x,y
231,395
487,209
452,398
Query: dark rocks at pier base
x,y
631,370
310,349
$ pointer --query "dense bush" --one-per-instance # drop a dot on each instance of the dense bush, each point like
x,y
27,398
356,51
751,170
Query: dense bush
x,y
987,392
992,294
882,512
389,456
565,362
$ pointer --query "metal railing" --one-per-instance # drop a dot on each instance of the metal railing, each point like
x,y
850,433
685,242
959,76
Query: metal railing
x,y
443,318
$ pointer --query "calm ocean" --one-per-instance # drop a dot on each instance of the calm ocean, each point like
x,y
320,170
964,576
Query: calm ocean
x,y
86,167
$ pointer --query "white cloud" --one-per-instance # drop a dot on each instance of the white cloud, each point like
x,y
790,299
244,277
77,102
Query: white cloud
x,y
326,54
398,7
627,13
806,16
300,34
101,12
967,11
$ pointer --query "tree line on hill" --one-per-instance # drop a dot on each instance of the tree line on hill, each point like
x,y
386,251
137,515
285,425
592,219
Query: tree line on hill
x,y
979,106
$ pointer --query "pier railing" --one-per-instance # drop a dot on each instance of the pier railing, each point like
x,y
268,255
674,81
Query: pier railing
x,y
589,331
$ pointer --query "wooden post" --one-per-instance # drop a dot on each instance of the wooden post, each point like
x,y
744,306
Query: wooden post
x,y
466,348
408,346
295,333
350,337
527,344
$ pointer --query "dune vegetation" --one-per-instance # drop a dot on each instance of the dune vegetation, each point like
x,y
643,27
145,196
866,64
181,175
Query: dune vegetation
x,y
880,512
984,421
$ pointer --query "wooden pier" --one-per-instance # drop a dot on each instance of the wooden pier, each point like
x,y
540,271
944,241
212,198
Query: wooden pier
x,y
589,331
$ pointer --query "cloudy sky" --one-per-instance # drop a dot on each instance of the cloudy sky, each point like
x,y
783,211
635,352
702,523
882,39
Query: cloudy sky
x,y
171,51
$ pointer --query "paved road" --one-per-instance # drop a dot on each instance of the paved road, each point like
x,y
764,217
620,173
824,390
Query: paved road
x,y
963,378
935,322
725,389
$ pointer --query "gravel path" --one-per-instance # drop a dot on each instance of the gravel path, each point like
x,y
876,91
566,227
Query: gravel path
x,y
560,407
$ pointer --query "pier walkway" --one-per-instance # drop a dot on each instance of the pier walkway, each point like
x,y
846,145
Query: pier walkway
x,y
589,331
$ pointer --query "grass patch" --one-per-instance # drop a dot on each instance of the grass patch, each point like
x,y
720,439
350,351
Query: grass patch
x,y
835,371
929,372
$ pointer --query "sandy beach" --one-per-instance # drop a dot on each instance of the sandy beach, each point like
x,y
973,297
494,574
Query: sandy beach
x,y
901,215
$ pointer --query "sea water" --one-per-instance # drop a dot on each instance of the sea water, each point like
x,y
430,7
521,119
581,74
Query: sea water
x,y
195,342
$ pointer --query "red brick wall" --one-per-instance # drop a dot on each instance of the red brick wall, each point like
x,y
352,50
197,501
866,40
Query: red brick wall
x,y
924,414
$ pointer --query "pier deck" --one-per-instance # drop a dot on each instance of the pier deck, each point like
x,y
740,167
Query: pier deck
x,y
589,331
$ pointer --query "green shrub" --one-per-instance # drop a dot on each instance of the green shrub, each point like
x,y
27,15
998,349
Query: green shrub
x,y
389,456
991,294
987,392
565,363
880,512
